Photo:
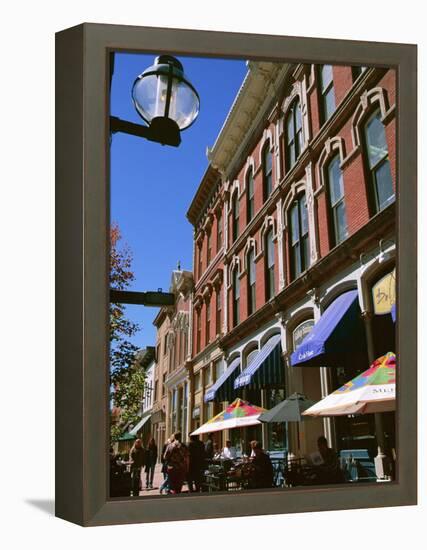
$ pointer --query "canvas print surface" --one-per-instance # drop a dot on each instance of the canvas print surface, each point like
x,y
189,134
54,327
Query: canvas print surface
x,y
253,275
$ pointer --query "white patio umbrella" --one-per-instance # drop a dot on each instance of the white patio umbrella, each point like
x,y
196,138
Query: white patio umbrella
x,y
373,391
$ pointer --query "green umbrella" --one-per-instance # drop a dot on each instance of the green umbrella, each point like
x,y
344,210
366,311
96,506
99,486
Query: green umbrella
x,y
289,410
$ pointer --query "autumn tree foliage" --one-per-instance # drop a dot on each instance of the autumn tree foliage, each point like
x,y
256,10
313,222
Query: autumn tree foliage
x,y
126,376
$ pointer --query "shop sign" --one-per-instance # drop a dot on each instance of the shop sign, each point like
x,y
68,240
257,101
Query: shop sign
x,y
196,412
384,294
301,332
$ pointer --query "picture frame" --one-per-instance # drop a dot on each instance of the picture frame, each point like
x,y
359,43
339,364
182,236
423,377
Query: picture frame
x,y
82,263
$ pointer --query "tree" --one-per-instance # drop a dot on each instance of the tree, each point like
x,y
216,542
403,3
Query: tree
x,y
126,376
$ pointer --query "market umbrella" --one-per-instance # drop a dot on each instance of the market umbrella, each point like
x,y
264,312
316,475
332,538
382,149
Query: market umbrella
x,y
127,437
238,414
373,391
289,410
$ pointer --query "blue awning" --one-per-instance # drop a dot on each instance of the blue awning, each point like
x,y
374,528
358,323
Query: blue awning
x,y
222,390
266,369
393,312
337,338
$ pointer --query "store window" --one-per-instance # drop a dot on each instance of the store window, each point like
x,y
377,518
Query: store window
x,y
219,368
293,134
327,93
298,236
378,162
338,218
197,381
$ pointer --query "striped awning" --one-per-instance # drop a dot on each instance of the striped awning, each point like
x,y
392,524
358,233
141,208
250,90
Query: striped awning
x,y
223,389
140,424
266,369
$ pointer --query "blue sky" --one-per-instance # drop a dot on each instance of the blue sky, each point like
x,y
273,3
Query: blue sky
x,y
152,186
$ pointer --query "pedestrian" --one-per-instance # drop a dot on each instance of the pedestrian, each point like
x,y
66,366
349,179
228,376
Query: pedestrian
x,y
177,457
165,485
197,459
150,463
209,447
137,460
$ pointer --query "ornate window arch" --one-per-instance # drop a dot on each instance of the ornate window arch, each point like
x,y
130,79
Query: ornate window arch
x,y
332,147
293,132
297,188
269,222
249,351
369,101
266,160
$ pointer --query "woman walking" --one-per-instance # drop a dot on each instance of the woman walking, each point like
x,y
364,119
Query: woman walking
x,y
150,463
137,460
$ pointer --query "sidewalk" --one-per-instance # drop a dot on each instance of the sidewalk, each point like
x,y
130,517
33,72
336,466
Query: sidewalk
x,y
157,481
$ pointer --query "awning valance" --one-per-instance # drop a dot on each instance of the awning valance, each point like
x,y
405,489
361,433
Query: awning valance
x,y
222,390
337,338
140,424
266,369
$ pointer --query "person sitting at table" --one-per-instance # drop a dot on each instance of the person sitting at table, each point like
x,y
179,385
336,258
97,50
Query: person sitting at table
x,y
329,470
228,451
262,468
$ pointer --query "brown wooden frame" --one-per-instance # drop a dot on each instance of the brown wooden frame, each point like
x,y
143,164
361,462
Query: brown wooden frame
x,y
82,221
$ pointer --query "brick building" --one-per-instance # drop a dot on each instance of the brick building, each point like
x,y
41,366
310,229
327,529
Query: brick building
x,y
171,380
295,214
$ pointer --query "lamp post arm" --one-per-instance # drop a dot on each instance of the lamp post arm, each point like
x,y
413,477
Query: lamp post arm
x,y
150,299
126,127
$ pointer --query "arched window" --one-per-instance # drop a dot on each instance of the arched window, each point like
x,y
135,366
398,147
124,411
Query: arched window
x,y
267,171
199,330
219,231
338,218
251,280
208,321
251,356
298,236
269,265
235,216
236,296
209,247
200,266
293,144
378,162
218,310
327,94
250,210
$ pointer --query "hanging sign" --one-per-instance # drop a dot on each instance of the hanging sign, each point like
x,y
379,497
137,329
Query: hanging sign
x,y
384,294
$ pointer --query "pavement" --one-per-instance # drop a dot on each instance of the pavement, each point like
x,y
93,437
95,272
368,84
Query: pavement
x,y
157,481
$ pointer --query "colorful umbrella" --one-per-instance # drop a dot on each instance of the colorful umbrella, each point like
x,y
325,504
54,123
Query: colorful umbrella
x,y
237,415
373,391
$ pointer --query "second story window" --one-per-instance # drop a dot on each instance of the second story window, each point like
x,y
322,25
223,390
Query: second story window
x,y
219,231
208,322
298,236
236,296
269,265
293,134
200,267
198,330
378,162
209,247
235,216
327,94
218,310
267,171
336,201
251,281
250,210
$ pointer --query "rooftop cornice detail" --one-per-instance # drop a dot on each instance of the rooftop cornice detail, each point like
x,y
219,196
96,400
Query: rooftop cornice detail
x,y
255,95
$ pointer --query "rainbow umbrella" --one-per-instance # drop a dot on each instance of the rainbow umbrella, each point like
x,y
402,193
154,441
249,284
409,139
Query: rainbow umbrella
x,y
373,391
238,414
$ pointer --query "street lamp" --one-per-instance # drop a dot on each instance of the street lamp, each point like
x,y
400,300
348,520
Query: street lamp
x,y
165,99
